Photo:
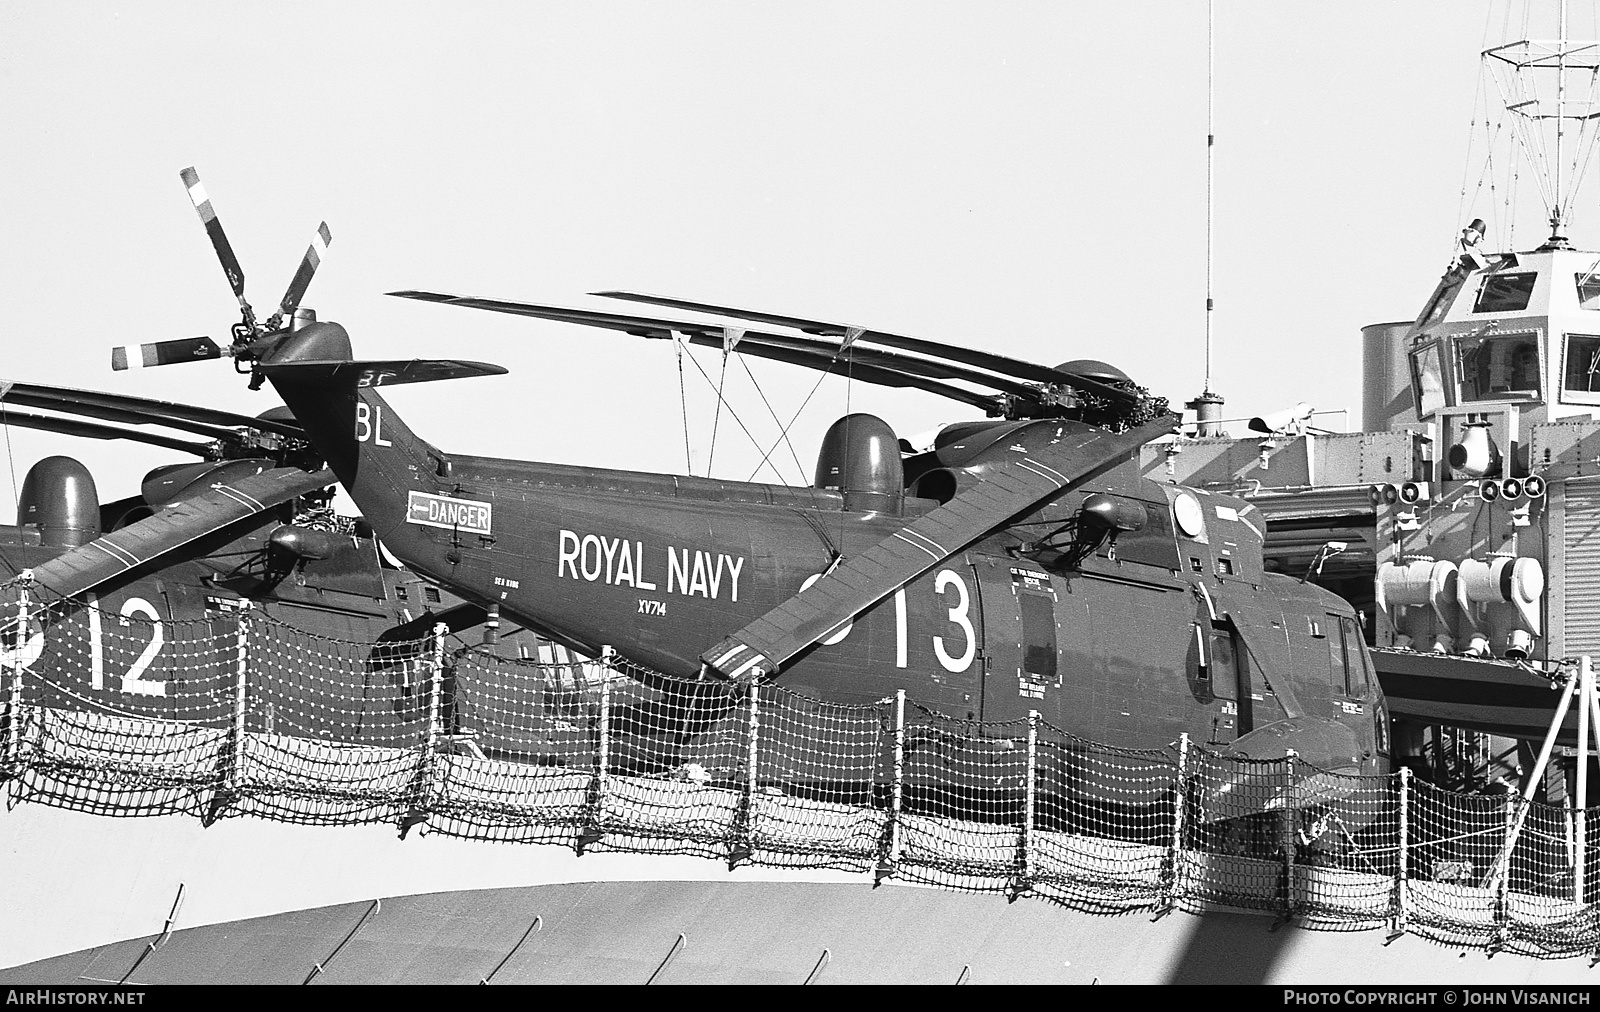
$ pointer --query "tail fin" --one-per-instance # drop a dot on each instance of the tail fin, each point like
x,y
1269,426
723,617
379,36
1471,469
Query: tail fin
x,y
335,398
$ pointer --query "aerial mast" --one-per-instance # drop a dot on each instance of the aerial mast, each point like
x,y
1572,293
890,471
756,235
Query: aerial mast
x,y
1522,72
1207,407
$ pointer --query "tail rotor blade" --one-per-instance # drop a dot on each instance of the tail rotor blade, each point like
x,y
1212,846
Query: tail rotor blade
x,y
320,240
140,356
219,238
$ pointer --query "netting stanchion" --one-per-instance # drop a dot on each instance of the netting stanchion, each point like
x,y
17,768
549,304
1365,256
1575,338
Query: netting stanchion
x,y
1402,893
592,831
233,764
890,861
1515,812
426,783
1286,828
1167,896
740,846
1030,789
11,757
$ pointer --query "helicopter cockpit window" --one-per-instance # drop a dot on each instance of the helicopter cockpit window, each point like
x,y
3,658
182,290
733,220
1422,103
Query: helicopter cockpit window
x,y
1588,289
1498,366
1427,379
1581,374
1505,293
1154,544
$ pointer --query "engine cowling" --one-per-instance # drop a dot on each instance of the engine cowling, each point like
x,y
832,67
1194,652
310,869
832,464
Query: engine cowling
x,y
59,498
860,458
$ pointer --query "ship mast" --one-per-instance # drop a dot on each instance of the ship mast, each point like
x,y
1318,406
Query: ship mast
x,y
1522,71
1208,406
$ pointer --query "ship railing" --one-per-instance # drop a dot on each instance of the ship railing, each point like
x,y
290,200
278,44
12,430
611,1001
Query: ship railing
x,y
112,712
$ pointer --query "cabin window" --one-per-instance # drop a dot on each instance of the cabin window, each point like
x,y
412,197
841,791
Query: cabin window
x,y
1495,367
1588,290
1581,372
1224,668
1505,293
1038,636
1427,379
430,595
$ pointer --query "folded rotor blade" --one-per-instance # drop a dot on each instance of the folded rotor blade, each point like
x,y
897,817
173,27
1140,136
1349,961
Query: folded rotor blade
x,y
88,566
94,430
123,407
140,356
828,363
219,238
1012,489
984,360
865,364
320,239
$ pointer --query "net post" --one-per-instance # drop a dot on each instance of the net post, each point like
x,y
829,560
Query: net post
x,y
1287,820
890,861
1402,892
232,764
427,766
11,758
1030,789
1171,864
240,701
1516,809
741,847
590,833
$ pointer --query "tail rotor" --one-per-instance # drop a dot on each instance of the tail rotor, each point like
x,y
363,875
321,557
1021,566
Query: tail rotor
x,y
251,338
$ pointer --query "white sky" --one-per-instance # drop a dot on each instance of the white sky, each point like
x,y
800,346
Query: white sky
x,y
1027,178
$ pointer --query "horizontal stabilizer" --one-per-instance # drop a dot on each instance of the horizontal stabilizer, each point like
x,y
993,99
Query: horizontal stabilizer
x,y
86,567
185,349
388,373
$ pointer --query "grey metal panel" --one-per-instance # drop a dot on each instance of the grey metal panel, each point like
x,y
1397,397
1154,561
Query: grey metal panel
x,y
1580,570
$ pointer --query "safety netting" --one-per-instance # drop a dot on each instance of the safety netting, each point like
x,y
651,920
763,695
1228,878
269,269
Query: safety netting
x,y
241,715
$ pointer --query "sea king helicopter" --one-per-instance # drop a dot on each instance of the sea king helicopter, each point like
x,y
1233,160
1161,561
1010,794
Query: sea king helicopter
x,y
247,525
1020,564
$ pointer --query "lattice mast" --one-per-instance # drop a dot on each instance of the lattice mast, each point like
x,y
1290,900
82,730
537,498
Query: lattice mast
x,y
1550,90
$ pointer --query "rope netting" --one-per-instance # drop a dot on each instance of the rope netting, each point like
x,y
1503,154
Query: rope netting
x,y
240,714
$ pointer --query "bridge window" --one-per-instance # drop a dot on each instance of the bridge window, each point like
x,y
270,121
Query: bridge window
x,y
1427,379
1505,293
1581,373
1588,290
1498,367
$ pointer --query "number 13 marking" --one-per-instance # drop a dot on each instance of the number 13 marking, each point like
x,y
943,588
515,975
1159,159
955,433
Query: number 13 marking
x,y
958,615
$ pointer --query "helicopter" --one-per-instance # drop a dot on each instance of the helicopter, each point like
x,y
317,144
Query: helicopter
x,y
249,525
1021,564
